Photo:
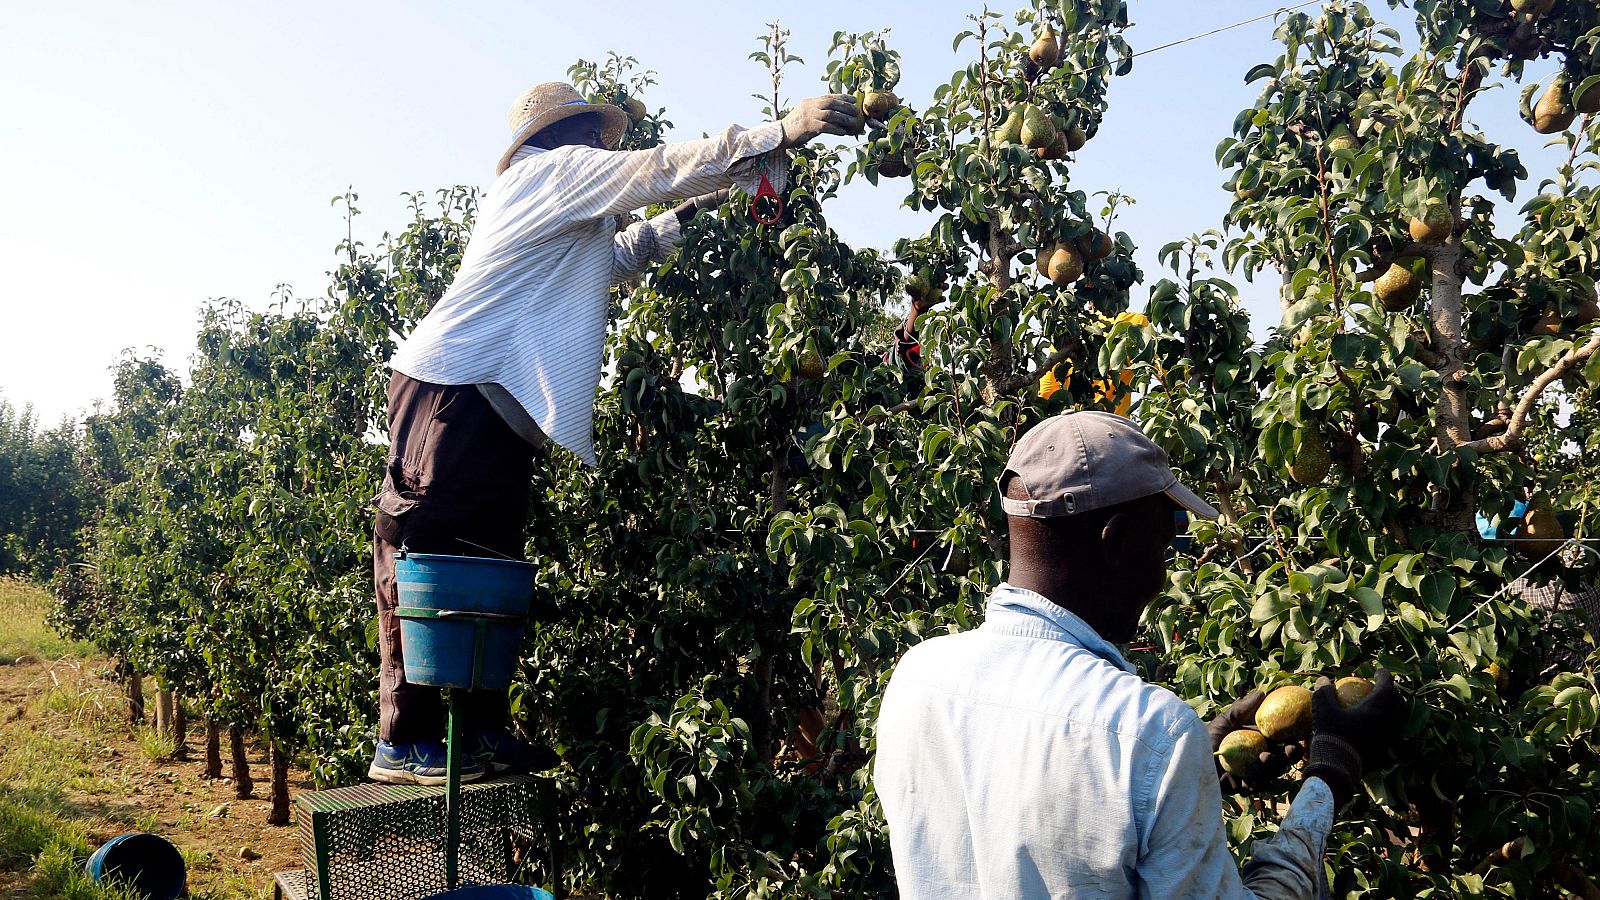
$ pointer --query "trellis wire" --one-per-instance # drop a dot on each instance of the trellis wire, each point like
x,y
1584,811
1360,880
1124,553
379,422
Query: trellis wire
x,y
1475,610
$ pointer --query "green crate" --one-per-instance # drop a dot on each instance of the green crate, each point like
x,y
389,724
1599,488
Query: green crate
x,y
386,842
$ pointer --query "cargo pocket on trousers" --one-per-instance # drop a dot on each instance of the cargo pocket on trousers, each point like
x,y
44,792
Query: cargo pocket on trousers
x,y
391,507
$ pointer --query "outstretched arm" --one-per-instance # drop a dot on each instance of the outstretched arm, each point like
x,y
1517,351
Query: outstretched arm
x,y
594,183
1186,850
651,241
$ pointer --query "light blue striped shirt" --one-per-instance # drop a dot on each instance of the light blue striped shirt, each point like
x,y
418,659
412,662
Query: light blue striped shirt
x,y
528,307
1027,760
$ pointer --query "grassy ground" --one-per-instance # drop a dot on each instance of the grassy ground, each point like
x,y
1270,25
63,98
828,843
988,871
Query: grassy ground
x,y
24,637
74,773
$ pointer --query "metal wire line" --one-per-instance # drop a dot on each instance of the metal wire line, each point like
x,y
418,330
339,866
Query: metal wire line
x,y
1492,597
1195,37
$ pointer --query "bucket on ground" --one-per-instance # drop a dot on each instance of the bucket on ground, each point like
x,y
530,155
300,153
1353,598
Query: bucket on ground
x,y
494,892
461,618
146,862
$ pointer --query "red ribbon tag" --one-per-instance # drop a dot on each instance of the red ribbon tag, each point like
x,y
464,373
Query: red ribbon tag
x,y
766,198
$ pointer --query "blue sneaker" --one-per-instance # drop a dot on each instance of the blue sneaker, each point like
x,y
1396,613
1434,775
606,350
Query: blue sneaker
x,y
420,763
497,751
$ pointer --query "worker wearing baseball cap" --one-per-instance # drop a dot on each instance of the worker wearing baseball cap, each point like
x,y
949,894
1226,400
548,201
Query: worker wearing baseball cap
x,y
1027,758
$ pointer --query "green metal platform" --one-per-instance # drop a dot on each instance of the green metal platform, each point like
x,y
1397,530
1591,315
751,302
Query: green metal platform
x,y
387,842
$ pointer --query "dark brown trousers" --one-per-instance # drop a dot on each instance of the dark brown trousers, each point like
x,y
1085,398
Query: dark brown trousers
x,y
456,482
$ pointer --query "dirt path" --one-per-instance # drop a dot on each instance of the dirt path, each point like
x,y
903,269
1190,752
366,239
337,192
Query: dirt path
x,y
67,747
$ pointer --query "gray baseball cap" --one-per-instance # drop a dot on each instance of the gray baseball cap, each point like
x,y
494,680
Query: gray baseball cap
x,y
1085,460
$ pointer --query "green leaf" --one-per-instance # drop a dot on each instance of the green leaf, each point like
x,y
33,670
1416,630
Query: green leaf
x,y
1437,590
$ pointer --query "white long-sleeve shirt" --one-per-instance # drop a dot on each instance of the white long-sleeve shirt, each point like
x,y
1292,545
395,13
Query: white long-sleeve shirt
x,y
1025,760
527,308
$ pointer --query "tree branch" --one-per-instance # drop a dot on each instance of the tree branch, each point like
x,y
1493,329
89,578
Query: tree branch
x,y
1382,262
1512,438
895,410
1028,379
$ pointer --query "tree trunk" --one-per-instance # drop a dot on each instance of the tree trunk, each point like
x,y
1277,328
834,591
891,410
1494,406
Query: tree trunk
x,y
1454,426
163,711
280,785
243,787
135,698
997,369
1436,833
1228,516
180,728
213,749
1455,407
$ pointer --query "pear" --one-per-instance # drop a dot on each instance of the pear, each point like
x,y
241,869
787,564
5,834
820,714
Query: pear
x,y
1533,9
1435,225
1057,148
1046,51
1341,139
1010,131
1311,462
1541,532
920,284
1096,245
811,367
1351,690
1038,131
1076,139
1398,287
859,123
1066,264
634,108
1359,115
1549,324
1046,250
1552,114
1286,714
894,165
1250,193
1589,101
877,104
1240,752
1588,311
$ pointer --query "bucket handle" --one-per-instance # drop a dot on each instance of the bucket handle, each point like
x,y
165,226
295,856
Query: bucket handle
x,y
412,612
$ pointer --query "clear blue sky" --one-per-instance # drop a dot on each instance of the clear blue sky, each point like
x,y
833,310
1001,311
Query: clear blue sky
x,y
154,155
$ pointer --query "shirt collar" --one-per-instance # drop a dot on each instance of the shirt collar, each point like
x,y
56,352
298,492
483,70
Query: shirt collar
x,y
1014,610
525,151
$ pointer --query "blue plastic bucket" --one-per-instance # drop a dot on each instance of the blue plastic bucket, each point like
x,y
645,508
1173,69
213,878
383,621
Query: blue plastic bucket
x,y
147,862
461,618
494,892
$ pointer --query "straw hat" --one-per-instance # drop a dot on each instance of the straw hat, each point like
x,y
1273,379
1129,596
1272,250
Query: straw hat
x,y
545,104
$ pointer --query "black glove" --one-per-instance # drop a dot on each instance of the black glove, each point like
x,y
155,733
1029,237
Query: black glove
x,y
1344,742
687,209
1274,761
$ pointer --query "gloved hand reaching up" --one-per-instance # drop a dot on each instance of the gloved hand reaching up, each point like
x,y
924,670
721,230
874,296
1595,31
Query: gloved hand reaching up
x,y
1347,740
687,209
828,114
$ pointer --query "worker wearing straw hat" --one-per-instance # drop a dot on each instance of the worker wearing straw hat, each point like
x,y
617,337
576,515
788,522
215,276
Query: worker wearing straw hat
x,y
509,358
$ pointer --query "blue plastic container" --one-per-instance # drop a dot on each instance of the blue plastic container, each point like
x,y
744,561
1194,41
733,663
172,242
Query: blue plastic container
x,y
1489,529
461,618
494,892
147,862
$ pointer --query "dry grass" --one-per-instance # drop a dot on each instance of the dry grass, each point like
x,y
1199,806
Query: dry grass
x,y
23,633
74,773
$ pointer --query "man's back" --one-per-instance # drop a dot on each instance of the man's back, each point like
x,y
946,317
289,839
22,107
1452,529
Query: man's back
x,y
1024,760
